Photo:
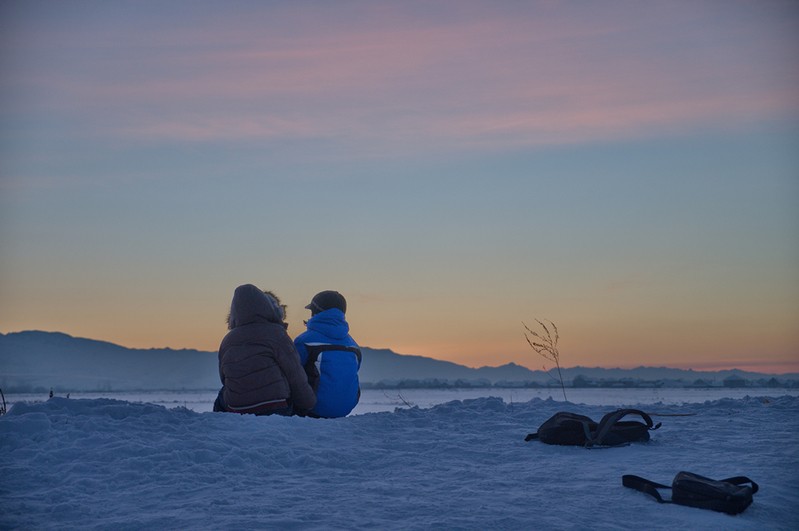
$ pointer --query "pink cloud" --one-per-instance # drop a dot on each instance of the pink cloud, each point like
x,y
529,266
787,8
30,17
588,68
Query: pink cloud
x,y
612,120
479,77
207,128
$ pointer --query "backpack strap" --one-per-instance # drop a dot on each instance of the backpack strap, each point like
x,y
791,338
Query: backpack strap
x,y
314,350
644,485
610,419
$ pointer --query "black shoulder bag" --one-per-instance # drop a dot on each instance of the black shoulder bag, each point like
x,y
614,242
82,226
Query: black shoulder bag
x,y
731,495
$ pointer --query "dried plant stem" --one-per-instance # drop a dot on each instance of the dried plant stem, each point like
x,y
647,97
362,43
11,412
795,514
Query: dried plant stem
x,y
546,345
401,399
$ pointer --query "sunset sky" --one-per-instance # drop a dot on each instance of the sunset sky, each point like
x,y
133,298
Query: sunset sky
x,y
628,170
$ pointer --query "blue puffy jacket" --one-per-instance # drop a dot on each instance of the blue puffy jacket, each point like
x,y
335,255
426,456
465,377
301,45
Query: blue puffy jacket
x,y
338,388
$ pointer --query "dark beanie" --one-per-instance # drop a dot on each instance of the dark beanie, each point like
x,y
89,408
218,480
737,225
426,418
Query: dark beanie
x,y
326,300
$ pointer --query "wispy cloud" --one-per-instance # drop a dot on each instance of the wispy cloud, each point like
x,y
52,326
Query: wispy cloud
x,y
482,77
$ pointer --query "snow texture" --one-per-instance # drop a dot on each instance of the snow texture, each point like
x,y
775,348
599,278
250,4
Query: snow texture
x,y
103,463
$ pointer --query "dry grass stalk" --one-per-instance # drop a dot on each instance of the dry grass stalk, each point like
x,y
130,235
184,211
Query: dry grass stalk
x,y
546,345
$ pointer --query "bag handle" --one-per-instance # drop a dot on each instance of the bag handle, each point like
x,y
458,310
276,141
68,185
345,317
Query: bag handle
x,y
742,480
610,419
644,485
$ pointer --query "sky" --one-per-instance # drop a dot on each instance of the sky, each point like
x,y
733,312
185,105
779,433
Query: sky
x,y
626,170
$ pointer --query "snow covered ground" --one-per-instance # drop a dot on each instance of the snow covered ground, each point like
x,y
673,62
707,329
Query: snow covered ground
x,y
102,463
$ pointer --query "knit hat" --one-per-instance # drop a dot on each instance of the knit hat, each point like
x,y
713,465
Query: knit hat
x,y
326,300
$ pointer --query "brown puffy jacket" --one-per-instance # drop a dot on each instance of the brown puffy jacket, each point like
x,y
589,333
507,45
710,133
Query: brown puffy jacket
x,y
257,359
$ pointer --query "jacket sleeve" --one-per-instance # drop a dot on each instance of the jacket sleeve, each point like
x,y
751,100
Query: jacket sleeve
x,y
221,355
302,350
302,394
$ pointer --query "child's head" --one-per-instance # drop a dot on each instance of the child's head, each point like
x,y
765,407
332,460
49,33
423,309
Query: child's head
x,y
327,300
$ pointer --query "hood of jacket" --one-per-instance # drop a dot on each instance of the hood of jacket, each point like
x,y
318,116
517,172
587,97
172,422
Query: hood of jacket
x,y
330,323
251,305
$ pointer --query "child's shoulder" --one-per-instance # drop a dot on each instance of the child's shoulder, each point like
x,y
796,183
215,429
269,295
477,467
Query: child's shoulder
x,y
308,335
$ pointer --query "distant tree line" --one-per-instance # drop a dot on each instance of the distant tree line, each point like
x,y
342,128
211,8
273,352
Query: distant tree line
x,y
580,382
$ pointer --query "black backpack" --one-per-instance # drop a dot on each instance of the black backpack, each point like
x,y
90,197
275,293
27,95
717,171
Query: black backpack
x,y
571,429
731,495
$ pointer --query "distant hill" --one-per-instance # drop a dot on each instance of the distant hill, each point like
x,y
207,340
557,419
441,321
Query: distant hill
x,y
31,360
387,366
36,361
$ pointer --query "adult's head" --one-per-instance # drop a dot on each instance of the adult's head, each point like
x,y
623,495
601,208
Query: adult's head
x,y
250,305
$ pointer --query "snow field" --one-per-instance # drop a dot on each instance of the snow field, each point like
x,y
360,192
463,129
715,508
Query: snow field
x,y
102,463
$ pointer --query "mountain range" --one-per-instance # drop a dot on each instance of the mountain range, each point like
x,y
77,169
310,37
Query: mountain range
x,y
35,360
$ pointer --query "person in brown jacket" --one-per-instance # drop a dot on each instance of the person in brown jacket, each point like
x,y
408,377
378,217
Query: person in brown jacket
x,y
258,364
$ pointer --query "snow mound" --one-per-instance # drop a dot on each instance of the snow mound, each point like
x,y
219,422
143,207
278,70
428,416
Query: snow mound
x,y
101,463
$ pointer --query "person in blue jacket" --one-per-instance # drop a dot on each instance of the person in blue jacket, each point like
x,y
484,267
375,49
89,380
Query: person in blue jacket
x,y
330,356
